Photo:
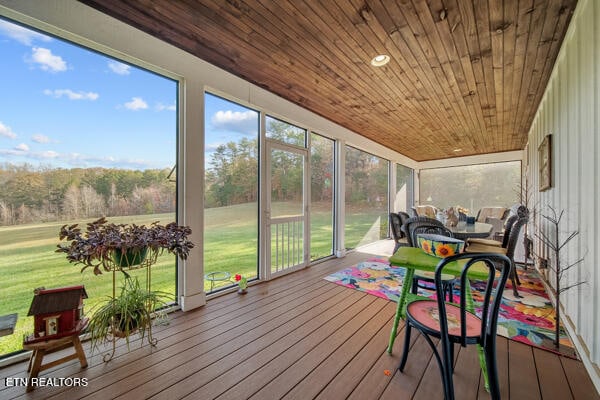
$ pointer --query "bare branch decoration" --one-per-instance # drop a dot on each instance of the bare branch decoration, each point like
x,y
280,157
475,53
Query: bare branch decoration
x,y
551,240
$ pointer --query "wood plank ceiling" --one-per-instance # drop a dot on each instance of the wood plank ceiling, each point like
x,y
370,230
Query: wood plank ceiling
x,y
463,74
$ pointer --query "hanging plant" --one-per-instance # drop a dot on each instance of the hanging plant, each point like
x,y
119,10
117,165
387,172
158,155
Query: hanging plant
x,y
105,246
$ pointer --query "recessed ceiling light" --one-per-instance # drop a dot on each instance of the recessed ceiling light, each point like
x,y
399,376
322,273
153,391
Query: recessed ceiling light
x,y
457,150
380,60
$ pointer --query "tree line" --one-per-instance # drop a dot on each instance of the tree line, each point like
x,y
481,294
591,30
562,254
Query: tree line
x,y
472,186
232,173
41,194
31,194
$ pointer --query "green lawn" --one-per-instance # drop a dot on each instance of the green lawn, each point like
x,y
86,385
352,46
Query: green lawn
x,y
28,259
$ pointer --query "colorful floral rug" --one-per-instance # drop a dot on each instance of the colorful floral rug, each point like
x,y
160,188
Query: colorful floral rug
x,y
530,319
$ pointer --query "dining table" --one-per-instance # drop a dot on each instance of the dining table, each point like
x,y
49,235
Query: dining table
x,y
413,259
465,231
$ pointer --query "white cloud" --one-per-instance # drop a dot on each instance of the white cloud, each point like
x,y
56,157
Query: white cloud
x,y
48,154
119,68
20,34
71,95
136,103
47,60
243,122
84,160
75,159
6,131
163,107
210,147
11,152
40,138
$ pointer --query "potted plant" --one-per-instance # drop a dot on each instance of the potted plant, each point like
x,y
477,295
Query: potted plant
x,y
242,282
109,247
130,312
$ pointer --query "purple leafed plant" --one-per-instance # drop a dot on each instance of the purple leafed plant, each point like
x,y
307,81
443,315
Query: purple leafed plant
x,y
104,246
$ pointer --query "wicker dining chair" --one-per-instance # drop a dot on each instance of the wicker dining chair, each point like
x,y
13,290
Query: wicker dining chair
x,y
509,250
396,228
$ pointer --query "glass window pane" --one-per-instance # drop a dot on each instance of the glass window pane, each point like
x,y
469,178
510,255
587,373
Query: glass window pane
x,y
231,191
404,188
366,198
322,189
287,186
82,135
285,132
287,209
471,186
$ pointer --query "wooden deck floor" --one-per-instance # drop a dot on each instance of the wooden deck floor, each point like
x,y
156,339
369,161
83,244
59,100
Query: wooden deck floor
x,y
299,337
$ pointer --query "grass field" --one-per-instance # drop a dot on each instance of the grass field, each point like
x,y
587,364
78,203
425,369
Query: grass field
x,y
28,259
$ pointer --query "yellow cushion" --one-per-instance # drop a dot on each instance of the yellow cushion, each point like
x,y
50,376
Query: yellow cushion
x,y
431,275
481,248
486,242
493,212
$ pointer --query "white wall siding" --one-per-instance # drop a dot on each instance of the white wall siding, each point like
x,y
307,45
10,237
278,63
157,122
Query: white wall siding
x,y
595,179
570,112
587,209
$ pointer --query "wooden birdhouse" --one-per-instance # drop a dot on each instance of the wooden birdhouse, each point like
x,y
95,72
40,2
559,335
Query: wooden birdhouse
x,y
57,312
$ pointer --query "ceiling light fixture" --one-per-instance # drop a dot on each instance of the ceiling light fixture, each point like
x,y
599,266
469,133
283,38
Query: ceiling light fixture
x,y
380,60
457,150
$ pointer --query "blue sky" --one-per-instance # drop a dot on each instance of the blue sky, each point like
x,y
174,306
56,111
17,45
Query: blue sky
x,y
66,106
226,121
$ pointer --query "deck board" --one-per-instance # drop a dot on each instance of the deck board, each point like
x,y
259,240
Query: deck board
x,y
328,369
523,382
430,386
467,373
286,380
404,384
254,372
348,376
300,337
579,381
553,384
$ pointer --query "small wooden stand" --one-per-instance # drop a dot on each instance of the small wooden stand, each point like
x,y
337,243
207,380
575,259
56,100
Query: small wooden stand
x,y
40,349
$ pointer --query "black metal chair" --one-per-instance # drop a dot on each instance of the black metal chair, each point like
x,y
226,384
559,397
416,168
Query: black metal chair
x,y
453,323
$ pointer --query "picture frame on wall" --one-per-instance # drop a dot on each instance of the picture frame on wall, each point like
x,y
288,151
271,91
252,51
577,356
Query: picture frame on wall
x,y
545,160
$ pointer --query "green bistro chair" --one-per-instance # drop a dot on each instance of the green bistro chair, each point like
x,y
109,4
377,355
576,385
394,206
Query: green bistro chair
x,y
415,227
